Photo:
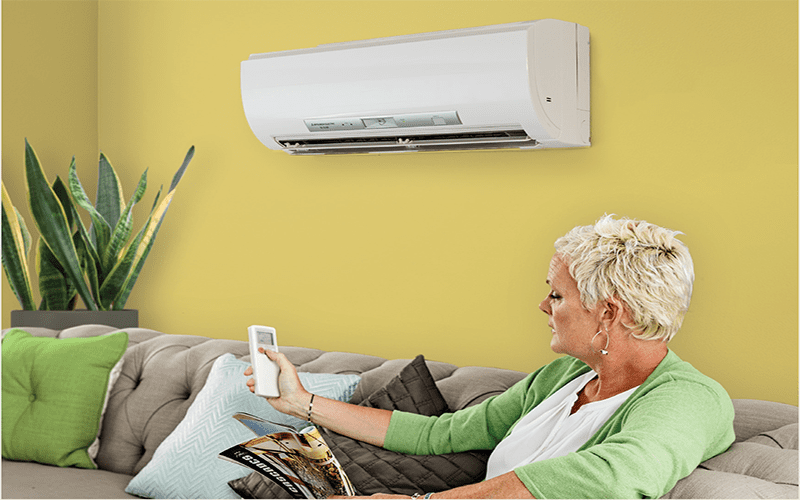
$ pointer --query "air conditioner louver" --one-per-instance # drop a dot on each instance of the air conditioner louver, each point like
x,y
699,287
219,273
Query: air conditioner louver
x,y
503,139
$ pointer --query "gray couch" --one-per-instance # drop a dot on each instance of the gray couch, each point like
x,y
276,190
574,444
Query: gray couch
x,y
162,374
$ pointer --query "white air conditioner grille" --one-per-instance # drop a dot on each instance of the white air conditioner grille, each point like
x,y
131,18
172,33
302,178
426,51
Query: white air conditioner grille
x,y
498,139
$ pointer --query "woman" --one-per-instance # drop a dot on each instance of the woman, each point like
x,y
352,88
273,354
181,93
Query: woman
x,y
619,416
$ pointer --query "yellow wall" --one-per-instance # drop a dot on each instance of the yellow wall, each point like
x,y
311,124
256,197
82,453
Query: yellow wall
x,y
694,127
49,96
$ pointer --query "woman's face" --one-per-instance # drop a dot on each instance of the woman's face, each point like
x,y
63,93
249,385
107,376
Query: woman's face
x,y
573,326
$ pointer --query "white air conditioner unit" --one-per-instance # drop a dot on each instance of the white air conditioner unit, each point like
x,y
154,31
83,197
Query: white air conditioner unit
x,y
521,85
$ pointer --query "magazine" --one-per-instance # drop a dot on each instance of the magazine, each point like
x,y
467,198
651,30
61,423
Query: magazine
x,y
300,462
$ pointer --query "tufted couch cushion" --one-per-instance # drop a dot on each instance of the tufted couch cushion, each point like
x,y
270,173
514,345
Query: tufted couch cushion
x,y
159,381
162,374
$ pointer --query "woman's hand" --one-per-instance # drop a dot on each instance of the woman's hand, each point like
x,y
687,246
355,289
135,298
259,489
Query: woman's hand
x,y
294,398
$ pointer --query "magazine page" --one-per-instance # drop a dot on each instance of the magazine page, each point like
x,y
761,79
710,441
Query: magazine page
x,y
309,457
299,461
259,426
275,471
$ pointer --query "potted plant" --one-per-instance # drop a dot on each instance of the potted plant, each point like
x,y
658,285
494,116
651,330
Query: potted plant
x,y
100,265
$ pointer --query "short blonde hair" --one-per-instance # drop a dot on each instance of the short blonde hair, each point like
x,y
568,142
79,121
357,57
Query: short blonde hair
x,y
642,264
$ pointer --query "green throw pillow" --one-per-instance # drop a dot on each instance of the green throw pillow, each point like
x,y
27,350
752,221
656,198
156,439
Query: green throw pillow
x,y
54,391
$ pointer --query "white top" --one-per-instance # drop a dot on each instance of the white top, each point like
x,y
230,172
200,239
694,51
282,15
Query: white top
x,y
549,431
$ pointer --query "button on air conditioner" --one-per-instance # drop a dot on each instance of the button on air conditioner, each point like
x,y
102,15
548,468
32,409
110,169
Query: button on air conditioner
x,y
379,122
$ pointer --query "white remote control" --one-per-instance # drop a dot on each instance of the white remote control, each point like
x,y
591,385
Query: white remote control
x,y
265,371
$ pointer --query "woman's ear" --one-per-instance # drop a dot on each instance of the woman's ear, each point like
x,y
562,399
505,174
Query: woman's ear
x,y
614,313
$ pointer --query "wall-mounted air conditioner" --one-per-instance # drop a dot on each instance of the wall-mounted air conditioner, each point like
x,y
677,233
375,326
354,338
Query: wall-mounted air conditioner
x,y
521,85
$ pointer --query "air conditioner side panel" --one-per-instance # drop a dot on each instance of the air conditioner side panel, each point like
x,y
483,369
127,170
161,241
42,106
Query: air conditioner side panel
x,y
559,80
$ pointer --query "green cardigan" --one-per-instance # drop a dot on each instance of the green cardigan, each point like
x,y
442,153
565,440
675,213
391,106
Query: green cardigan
x,y
676,419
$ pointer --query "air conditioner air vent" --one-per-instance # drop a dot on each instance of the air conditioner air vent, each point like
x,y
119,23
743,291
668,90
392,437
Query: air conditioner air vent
x,y
500,139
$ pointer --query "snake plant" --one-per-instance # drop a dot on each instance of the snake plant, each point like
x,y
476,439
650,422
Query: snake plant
x,y
100,265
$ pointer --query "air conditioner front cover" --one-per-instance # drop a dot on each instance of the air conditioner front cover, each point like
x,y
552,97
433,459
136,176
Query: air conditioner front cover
x,y
520,85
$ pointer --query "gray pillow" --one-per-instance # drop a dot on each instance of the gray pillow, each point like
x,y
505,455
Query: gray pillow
x,y
374,470
764,466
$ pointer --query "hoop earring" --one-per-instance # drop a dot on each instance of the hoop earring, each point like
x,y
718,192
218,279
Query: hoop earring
x,y
604,350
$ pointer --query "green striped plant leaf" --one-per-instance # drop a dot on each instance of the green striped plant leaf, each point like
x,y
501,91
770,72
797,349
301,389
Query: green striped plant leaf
x,y
122,231
110,201
15,252
50,218
89,260
179,174
63,197
87,253
69,207
26,235
56,289
54,286
100,227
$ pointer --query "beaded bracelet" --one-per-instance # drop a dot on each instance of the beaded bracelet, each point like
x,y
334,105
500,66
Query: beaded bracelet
x,y
310,406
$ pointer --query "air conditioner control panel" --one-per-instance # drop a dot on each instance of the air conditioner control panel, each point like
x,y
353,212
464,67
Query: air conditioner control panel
x,y
378,122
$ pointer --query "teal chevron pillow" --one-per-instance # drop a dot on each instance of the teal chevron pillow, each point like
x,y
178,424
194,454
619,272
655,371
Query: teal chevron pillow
x,y
54,392
185,464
